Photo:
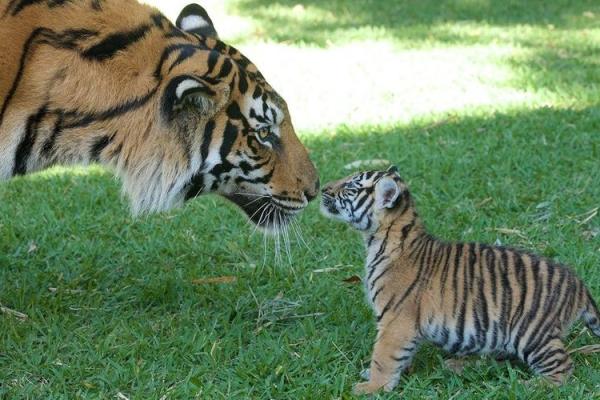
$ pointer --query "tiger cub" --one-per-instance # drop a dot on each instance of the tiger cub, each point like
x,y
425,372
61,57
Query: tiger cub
x,y
464,297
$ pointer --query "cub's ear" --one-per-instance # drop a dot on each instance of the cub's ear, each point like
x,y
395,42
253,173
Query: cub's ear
x,y
189,91
386,193
195,19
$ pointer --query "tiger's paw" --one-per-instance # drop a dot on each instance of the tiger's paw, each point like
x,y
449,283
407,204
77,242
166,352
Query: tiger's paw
x,y
365,388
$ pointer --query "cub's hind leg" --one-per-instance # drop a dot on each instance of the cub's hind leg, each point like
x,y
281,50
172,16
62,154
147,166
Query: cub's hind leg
x,y
393,351
552,361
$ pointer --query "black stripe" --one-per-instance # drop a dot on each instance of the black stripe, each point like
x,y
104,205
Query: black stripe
x,y
375,264
410,288
386,308
195,187
114,43
27,141
445,269
506,305
226,68
265,179
521,275
37,32
242,81
185,53
406,229
550,311
58,126
379,290
482,304
380,275
213,58
400,359
460,325
99,145
490,258
457,266
165,56
75,119
23,4
361,200
230,135
11,4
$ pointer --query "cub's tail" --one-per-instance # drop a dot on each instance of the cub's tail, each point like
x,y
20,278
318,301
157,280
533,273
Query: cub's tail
x,y
591,315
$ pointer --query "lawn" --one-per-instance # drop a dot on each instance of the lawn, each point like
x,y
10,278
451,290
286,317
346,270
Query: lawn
x,y
491,110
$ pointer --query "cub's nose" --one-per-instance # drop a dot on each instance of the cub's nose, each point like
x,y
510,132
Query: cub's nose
x,y
326,190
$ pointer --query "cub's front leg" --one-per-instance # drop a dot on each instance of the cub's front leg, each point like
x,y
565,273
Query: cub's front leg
x,y
393,351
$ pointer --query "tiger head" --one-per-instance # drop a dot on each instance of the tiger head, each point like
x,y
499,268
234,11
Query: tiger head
x,y
239,131
365,199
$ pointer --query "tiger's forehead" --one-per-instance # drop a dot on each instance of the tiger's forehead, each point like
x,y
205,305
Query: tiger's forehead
x,y
365,177
262,111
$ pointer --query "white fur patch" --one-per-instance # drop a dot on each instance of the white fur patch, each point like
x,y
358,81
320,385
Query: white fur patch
x,y
257,106
192,22
186,85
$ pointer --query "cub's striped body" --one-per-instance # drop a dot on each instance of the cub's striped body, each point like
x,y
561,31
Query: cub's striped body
x,y
172,109
465,297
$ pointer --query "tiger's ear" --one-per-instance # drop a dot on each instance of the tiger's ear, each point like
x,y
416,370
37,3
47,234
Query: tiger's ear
x,y
190,91
386,193
392,169
195,19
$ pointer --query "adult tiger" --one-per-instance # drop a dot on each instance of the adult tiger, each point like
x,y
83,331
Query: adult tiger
x,y
172,109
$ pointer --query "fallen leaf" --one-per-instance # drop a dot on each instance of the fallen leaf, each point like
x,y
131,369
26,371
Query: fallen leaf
x,y
588,215
332,269
456,365
32,247
592,233
354,279
483,202
214,280
12,312
508,231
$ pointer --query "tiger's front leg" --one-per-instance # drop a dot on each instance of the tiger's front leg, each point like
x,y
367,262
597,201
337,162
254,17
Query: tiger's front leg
x,y
393,351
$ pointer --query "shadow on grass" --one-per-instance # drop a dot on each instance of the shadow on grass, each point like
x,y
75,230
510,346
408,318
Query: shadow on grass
x,y
554,43
123,312
470,176
104,291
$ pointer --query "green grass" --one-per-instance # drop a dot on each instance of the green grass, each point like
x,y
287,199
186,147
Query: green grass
x,y
111,301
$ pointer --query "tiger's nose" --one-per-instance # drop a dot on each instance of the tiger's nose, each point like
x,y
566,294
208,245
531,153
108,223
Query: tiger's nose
x,y
311,194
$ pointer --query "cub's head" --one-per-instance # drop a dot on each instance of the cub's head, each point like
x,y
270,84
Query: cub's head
x,y
242,144
364,199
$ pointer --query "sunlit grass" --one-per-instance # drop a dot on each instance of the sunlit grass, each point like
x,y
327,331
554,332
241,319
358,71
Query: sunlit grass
x,y
362,62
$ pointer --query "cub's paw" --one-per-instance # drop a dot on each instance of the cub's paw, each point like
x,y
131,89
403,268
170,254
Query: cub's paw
x,y
365,388
388,387
365,374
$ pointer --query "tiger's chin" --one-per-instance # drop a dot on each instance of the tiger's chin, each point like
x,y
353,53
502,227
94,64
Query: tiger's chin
x,y
263,212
